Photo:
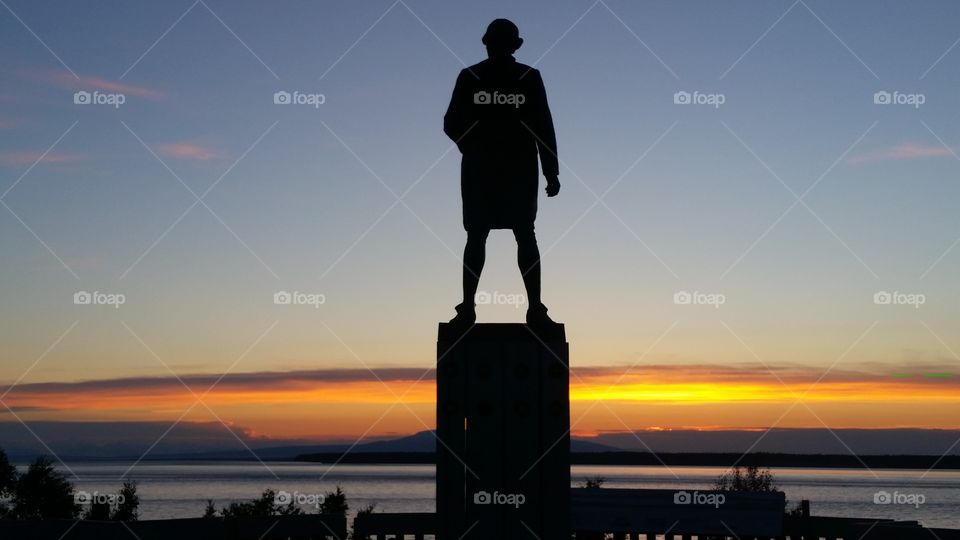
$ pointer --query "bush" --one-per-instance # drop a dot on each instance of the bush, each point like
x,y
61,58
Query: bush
x,y
752,479
593,482
264,506
334,502
367,510
124,507
98,511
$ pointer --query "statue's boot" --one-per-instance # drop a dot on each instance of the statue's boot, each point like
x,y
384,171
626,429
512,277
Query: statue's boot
x,y
537,315
466,315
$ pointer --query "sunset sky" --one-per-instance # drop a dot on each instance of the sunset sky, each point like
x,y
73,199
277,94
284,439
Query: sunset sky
x,y
823,221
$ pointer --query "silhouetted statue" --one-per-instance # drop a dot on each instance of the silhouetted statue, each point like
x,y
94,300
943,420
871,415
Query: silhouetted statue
x,y
499,118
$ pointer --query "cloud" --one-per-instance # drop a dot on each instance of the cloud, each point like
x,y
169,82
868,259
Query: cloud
x,y
754,372
685,372
187,151
902,151
103,398
64,79
583,379
27,158
232,381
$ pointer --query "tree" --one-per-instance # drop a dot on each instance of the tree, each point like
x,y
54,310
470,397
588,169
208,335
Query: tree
x,y
128,503
8,475
43,493
211,509
335,502
264,506
753,479
8,481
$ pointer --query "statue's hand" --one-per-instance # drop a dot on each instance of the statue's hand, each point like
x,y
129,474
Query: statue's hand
x,y
553,186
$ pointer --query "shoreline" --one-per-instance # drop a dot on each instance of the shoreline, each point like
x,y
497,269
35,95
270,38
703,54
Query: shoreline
x,y
677,459
619,458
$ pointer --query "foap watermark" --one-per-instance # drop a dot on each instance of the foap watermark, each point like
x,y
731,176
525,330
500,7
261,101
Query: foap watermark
x,y
496,98
699,98
99,98
298,298
505,499
885,497
299,499
297,97
97,298
897,298
697,298
85,497
899,98
496,298
713,499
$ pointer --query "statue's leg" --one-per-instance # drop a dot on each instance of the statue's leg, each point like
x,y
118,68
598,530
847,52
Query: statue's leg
x,y
474,255
528,259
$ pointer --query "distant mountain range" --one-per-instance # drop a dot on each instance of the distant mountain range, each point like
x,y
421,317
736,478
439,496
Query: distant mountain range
x,y
215,441
422,442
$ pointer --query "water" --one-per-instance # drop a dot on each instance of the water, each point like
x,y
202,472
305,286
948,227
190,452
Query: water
x,y
179,489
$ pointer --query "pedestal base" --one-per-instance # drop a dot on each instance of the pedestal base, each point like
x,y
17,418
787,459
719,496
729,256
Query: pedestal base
x,y
503,428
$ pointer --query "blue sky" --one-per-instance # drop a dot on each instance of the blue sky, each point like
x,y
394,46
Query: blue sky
x,y
301,197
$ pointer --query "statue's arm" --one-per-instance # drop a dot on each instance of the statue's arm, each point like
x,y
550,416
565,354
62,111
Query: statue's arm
x,y
546,136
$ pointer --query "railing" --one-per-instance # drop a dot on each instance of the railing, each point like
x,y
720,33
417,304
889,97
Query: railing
x,y
422,526
832,528
312,527
641,514
626,513
681,513
381,526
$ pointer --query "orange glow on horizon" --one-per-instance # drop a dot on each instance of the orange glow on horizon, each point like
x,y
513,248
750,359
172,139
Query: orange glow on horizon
x,y
600,402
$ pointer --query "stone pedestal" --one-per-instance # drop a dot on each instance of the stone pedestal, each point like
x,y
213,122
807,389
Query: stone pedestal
x,y
503,428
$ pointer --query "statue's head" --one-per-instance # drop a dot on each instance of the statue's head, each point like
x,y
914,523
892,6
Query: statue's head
x,y
502,38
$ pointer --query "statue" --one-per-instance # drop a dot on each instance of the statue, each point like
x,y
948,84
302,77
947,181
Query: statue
x,y
499,119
